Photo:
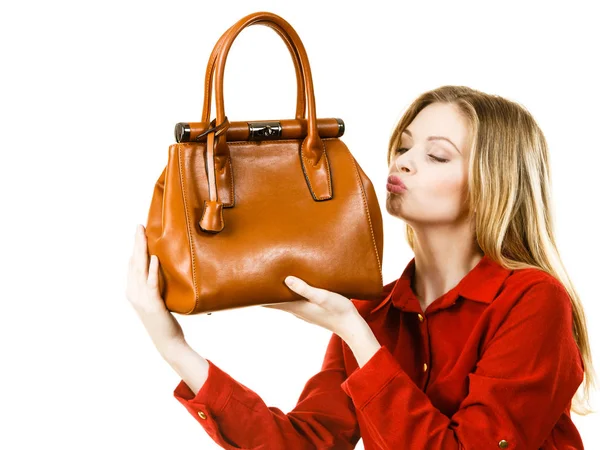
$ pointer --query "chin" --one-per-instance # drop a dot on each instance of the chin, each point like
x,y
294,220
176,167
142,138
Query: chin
x,y
392,205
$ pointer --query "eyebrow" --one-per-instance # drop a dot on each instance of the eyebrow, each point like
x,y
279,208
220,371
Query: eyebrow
x,y
433,138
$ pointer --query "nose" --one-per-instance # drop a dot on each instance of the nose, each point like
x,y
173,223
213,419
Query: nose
x,y
400,169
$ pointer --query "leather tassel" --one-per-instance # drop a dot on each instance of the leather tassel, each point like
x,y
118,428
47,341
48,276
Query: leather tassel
x,y
212,217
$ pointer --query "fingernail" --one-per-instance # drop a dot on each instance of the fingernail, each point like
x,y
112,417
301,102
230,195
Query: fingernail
x,y
290,281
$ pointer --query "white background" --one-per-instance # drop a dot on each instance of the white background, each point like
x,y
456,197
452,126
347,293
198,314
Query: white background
x,y
90,94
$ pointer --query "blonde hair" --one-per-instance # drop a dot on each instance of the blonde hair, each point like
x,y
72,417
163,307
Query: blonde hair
x,y
509,187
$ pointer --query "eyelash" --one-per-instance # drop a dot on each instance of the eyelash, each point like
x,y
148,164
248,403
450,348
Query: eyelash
x,y
436,159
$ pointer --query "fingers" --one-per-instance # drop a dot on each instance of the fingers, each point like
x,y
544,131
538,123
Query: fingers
x,y
319,296
142,252
143,283
299,308
138,263
315,295
153,274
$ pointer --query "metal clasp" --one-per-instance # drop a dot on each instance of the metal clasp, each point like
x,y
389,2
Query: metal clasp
x,y
264,130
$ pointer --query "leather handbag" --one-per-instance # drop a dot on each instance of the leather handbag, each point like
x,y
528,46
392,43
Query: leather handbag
x,y
241,205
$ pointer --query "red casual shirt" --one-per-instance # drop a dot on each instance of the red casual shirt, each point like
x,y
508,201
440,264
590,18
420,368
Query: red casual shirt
x,y
492,363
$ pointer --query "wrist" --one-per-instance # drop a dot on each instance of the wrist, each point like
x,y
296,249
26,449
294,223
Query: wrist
x,y
353,327
362,341
170,350
189,365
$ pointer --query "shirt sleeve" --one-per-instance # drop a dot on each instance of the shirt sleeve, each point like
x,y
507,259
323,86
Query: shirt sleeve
x,y
524,380
235,417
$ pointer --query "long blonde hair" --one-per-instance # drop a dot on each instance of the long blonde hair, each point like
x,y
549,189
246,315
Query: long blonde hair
x,y
509,188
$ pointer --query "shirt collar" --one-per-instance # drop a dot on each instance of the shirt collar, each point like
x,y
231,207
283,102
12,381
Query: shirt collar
x,y
480,284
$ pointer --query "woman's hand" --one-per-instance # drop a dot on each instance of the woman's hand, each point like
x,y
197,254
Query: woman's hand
x,y
326,309
143,294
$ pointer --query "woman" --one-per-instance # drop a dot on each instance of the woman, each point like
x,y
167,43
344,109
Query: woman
x,y
481,342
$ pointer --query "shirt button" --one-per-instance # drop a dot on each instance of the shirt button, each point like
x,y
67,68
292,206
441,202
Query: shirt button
x,y
425,369
420,317
202,415
503,444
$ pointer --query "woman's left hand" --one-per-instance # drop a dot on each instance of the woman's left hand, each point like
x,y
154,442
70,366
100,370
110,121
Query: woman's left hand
x,y
326,309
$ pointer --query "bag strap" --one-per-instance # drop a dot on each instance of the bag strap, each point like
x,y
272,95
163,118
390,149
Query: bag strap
x,y
300,97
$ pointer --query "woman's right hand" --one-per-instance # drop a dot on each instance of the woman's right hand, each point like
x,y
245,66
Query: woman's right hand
x,y
143,294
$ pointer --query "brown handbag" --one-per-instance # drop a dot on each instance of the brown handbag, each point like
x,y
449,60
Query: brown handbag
x,y
242,205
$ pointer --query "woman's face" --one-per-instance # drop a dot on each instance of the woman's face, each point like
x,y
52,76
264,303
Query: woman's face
x,y
432,169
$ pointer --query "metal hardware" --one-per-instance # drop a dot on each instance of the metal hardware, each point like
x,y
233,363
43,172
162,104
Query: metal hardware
x,y
341,127
182,132
264,130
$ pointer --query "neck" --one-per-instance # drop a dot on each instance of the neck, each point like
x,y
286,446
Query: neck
x,y
441,262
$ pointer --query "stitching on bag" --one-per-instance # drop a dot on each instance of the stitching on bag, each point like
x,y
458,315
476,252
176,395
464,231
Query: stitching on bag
x,y
258,143
187,223
231,194
274,141
308,180
326,166
362,191
203,212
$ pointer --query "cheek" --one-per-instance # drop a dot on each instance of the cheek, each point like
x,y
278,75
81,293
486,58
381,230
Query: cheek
x,y
444,186
443,195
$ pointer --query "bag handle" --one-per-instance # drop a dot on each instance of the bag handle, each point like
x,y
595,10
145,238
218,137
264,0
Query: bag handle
x,y
300,96
313,146
313,158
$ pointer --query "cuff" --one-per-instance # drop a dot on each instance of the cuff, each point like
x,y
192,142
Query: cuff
x,y
367,381
212,396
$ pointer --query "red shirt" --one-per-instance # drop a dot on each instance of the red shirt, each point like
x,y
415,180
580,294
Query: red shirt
x,y
492,363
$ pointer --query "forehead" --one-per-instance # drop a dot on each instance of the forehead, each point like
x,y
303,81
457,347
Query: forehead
x,y
440,119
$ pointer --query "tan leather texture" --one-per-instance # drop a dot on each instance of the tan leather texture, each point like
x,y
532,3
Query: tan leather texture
x,y
232,213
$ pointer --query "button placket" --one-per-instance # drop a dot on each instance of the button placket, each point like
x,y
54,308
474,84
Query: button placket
x,y
425,335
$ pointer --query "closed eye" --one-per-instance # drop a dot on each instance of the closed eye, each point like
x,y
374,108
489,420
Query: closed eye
x,y
434,158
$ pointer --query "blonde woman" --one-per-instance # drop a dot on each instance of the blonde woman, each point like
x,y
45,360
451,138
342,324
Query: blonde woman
x,y
480,343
